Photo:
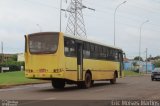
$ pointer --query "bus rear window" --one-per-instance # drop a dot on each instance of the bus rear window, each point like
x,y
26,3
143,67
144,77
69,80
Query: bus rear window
x,y
43,43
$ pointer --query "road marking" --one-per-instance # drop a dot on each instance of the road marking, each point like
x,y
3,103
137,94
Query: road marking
x,y
37,101
52,98
99,90
29,103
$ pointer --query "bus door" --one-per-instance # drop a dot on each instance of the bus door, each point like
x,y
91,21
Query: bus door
x,y
80,61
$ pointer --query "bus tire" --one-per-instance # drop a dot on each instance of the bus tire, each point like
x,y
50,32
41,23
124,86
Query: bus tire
x,y
87,83
113,81
88,80
58,84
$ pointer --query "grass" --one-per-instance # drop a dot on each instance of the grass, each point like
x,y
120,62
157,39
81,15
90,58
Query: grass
x,y
15,78
130,73
18,77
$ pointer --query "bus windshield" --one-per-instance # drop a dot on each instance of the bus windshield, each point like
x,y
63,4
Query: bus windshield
x,y
45,43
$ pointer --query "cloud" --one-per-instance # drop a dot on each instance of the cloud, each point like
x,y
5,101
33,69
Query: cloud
x,y
20,17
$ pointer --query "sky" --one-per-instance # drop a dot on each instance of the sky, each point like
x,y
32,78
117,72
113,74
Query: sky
x,y
21,17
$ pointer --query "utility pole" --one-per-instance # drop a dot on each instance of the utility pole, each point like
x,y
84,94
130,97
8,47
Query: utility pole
x,y
140,38
75,24
146,59
115,21
2,52
60,16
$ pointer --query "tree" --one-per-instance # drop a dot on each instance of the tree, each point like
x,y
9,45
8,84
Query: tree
x,y
157,57
135,64
12,63
153,58
137,58
157,63
13,58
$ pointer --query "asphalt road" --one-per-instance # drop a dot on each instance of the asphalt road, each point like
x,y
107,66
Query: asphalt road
x,y
129,88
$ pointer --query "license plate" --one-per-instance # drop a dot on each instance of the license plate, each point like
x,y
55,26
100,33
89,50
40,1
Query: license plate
x,y
42,70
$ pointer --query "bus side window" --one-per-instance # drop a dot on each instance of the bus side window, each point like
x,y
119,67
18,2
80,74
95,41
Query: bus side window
x,y
104,53
86,50
110,54
116,55
96,54
113,54
66,47
120,58
88,53
107,53
69,47
100,52
72,48
92,50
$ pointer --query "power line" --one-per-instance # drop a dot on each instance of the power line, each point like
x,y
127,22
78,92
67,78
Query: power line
x,y
108,11
42,4
104,10
75,24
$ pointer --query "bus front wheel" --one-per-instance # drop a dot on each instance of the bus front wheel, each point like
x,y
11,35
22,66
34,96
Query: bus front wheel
x,y
58,84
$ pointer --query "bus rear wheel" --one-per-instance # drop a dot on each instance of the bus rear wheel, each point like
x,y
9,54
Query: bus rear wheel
x,y
58,84
87,83
88,80
113,81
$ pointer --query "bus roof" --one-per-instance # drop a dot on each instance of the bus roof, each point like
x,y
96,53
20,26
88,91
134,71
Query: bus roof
x,y
80,38
91,41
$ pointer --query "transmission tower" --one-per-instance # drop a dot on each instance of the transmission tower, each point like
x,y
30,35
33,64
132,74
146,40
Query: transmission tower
x,y
75,24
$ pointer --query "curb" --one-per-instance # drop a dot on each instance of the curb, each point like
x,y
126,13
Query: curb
x,y
15,85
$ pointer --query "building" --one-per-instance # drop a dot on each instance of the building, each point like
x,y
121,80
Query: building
x,y
20,57
135,65
5,57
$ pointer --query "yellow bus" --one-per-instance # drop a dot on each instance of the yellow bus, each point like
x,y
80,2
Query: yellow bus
x,y
67,59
